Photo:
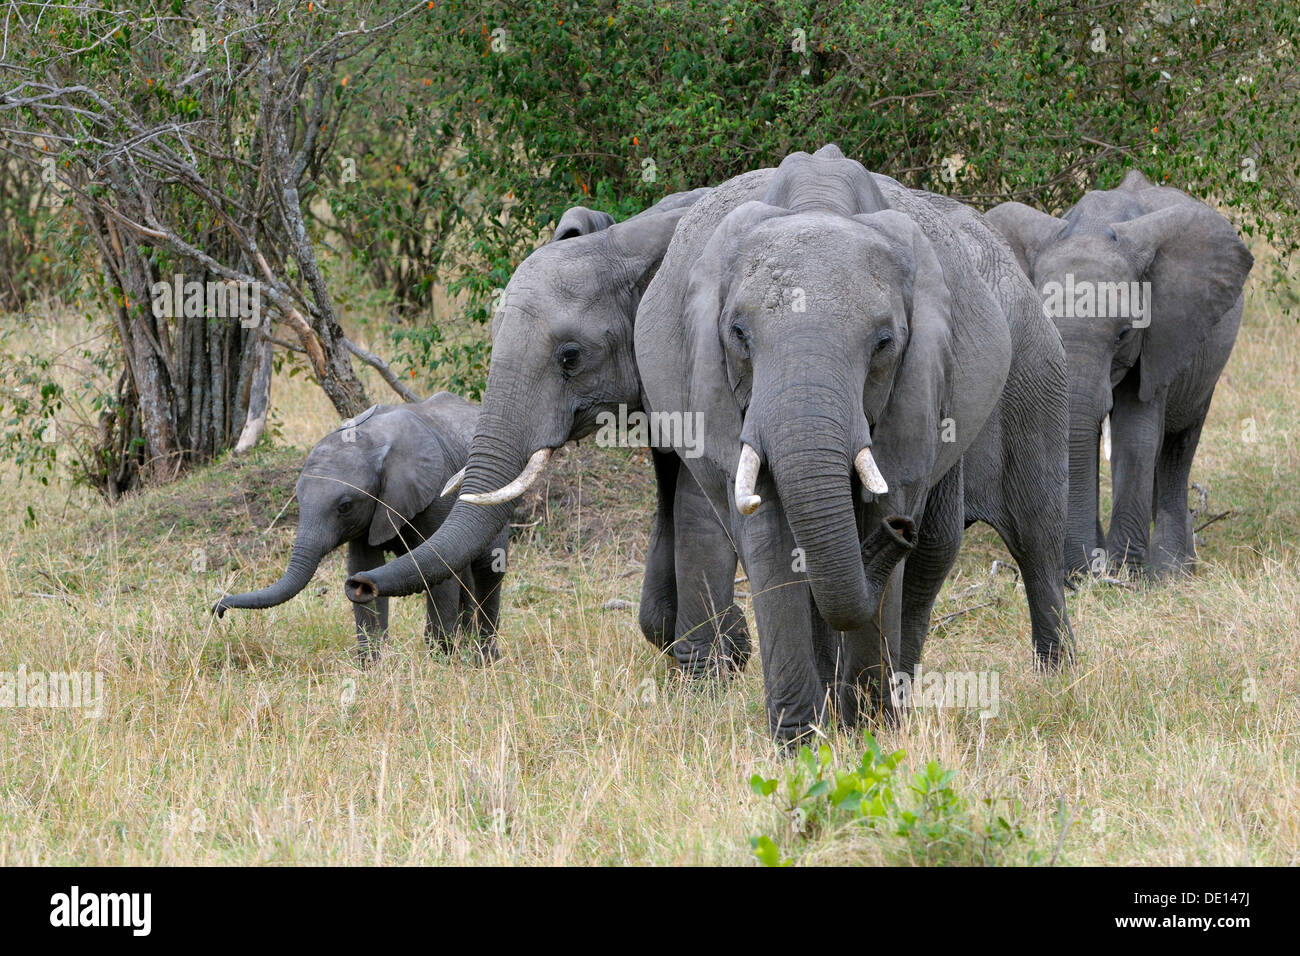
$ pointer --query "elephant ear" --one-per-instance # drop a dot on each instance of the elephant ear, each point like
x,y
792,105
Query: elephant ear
x,y
641,242
1026,230
674,201
411,465
710,386
581,221
1196,264
905,439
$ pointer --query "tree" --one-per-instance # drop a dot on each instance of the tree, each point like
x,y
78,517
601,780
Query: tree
x,y
188,147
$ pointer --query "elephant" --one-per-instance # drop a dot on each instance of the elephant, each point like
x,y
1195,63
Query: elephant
x,y
1145,285
874,374
562,360
377,482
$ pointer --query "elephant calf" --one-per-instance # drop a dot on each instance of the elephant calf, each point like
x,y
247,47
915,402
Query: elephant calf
x,y
378,483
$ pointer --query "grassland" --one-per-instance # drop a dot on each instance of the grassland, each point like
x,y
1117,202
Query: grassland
x,y
256,740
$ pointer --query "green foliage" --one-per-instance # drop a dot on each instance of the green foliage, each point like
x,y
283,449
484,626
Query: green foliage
x,y
530,109
926,822
453,143
41,418
1028,99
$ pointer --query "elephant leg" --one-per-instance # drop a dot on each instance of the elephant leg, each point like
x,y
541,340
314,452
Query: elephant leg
x,y
793,690
441,610
938,539
1027,504
1174,544
371,619
710,634
658,612
1137,430
486,599
465,616
1037,554
867,658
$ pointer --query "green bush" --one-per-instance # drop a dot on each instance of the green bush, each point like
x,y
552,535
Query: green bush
x,y
924,821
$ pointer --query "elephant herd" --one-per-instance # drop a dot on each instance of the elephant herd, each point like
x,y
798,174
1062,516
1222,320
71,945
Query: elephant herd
x,y
870,369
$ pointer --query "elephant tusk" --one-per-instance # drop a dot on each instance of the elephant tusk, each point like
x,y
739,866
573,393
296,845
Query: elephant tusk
x,y
453,483
1105,437
870,475
746,476
510,492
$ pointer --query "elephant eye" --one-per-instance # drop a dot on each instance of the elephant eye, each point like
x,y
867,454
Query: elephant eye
x,y
568,357
882,341
345,506
740,336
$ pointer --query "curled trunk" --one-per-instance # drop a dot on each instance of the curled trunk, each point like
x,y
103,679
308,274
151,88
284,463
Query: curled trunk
x,y
469,530
891,542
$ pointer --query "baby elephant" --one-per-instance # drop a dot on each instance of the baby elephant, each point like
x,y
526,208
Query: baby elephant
x,y
378,483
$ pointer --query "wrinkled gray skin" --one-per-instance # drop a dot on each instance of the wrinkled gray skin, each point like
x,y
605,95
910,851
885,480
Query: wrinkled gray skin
x,y
917,327
374,484
561,354
1156,382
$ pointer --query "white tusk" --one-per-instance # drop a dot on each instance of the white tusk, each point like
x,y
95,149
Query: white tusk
x,y
746,476
1105,437
870,475
453,483
510,492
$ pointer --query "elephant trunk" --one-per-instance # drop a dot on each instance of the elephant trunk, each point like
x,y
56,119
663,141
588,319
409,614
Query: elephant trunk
x,y
1082,532
306,557
891,542
810,453
496,459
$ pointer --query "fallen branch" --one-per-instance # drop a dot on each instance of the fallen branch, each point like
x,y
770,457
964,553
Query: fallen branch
x,y
1117,583
48,597
956,614
1211,521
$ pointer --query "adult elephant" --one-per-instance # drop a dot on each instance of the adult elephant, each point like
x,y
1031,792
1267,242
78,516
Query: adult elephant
x,y
874,374
1144,284
561,357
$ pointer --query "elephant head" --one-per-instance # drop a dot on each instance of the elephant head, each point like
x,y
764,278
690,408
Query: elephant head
x,y
820,345
561,355
365,480
1135,279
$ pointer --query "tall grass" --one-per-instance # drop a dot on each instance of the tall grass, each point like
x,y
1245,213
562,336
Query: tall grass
x,y
256,740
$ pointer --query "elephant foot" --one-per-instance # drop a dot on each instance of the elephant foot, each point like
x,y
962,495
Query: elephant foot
x,y
737,648
485,653
658,620
699,668
790,737
366,655
1054,659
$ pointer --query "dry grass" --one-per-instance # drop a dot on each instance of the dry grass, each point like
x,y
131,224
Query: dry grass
x,y
255,740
